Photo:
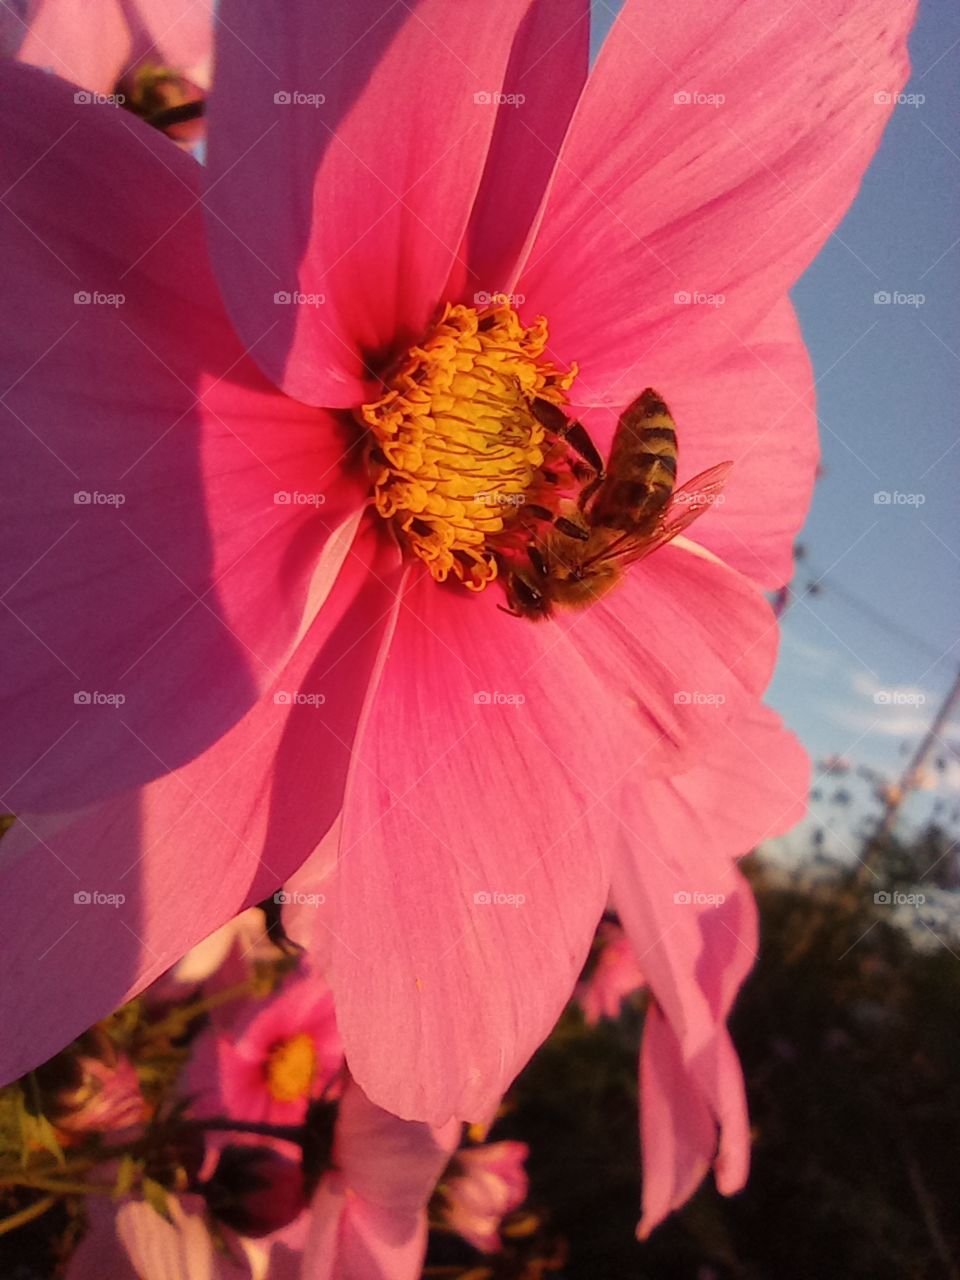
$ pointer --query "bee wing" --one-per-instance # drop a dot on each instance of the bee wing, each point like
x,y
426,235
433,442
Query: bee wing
x,y
687,504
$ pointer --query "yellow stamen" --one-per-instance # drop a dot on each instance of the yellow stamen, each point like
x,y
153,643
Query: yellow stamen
x,y
456,447
290,1068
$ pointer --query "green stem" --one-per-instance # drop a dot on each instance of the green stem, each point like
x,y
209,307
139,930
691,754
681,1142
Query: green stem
x,y
59,1187
188,1012
27,1215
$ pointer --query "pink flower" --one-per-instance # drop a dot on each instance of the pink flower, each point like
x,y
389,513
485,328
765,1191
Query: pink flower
x,y
488,1183
92,1088
269,1064
286,670
614,976
369,1216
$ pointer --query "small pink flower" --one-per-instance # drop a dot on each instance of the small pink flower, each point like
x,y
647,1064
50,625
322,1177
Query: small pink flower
x,y
107,1098
615,975
267,1065
487,1183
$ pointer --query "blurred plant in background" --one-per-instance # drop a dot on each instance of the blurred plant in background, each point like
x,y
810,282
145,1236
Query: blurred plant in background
x,y
207,1117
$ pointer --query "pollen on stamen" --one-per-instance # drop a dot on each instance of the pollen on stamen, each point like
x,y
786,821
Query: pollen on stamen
x,y
290,1068
455,448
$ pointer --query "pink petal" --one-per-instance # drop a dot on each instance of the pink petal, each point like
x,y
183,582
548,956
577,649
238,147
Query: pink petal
x,y
351,1240
752,403
502,798
369,1217
94,45
308,915
451,801
681,836
175,33
543,82
195,847
86,44
615,976
686,644
678,858
364,198
131,1241
181,1249
678,1126
391,1163
655,197
186,598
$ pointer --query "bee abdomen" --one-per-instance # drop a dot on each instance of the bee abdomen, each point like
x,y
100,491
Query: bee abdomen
x,y
642,470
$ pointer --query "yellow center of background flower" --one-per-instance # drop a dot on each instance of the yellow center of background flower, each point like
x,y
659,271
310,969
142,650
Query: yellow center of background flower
x,y
456,448
290,1068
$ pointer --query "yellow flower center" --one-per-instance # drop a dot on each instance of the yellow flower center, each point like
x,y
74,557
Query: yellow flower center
x,y
456,449
290,1068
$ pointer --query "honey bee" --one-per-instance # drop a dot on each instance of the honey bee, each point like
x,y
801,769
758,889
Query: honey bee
x,y
624,511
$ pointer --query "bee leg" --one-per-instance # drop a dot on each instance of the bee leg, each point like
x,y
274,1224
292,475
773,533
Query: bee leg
x,y
570,529
559,522
537,560
579,439
575,433
587,492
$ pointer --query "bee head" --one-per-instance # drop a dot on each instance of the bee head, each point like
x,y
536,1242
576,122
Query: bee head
x,y
526,597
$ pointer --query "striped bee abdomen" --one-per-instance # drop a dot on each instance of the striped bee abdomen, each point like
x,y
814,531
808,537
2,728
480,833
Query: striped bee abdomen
x,y
642,468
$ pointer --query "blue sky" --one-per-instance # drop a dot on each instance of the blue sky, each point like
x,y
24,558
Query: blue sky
x,y
888,398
